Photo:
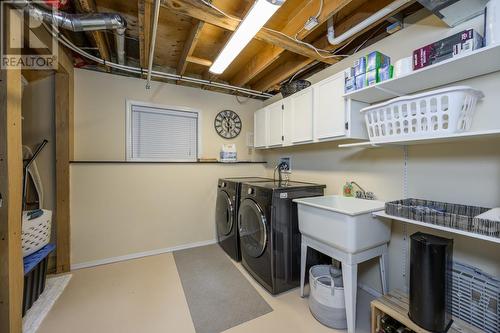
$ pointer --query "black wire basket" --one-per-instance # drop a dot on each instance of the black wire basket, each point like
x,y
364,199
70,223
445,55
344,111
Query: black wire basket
x,y
291,88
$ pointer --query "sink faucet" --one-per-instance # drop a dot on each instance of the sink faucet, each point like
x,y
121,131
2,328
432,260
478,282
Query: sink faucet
x,y
362,194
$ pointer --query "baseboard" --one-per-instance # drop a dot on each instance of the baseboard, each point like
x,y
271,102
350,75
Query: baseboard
x,y
140,255
375,293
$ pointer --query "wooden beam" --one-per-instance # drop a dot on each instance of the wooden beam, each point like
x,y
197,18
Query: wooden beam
x,y
189,46
294,26
359,14
65,60
11,165
145,13
98,37
201,12
35,75
281,73
199,61
64,153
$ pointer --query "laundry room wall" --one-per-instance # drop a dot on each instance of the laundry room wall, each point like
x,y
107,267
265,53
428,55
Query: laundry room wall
x,y
465,172
122,210
38,111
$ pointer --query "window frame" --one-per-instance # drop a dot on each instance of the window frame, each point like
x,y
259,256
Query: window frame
x,y
160,107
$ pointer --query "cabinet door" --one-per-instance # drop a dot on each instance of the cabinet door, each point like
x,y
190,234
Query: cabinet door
x,y
260,128
275,127
302,116
329,108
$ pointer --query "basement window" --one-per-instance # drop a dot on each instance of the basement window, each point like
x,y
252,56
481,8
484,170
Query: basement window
x,y
162,133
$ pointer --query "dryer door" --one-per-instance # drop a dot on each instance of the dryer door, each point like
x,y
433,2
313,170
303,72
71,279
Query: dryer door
x,y
253,228
224,214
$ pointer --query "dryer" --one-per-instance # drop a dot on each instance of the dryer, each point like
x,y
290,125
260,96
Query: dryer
x,y
228,198
269,232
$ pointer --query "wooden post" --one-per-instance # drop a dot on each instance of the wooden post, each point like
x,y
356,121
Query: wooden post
x,y
11,165
64,153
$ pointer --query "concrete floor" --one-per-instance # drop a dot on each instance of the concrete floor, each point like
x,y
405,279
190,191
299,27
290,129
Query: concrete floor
x,y
146,295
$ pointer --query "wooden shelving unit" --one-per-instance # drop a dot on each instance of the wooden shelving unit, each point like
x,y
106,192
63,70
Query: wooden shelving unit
x,y
415,141
395,305
439,227
480,62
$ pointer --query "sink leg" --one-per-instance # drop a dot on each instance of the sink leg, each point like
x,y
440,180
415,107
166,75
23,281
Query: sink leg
x,y
383,262
303,259
350,278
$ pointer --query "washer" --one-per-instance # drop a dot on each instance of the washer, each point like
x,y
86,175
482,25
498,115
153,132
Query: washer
x,y
228,199
269,232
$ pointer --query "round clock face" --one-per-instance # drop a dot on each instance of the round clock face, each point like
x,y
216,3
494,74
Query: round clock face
x,y
227,124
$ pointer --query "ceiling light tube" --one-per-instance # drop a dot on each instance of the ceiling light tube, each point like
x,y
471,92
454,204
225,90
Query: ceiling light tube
x,y
259,14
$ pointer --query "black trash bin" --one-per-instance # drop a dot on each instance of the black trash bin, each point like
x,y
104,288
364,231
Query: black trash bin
x,y
431,260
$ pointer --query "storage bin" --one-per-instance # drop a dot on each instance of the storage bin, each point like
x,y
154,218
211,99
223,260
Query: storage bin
x,y
35,274
430,114
36,232
449,215
326,299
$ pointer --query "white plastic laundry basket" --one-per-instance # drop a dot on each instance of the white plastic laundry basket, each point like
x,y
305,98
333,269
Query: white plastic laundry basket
x,y
36,232
326,299
430,114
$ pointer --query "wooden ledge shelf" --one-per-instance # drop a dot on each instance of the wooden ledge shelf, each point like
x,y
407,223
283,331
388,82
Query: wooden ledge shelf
x,y
165,162
395,305
439,227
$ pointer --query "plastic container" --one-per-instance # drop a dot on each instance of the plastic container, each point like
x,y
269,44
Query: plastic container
x,y
430,114
35,275
449,215
326,299
36,232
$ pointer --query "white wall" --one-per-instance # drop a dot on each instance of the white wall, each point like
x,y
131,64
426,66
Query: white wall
x,y
100,106
122,209
462,172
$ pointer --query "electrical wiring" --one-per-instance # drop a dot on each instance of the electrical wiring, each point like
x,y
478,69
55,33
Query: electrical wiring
x,y
139,71
293,38
320,9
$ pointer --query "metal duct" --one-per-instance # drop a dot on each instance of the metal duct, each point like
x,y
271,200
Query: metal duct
x,y
82,22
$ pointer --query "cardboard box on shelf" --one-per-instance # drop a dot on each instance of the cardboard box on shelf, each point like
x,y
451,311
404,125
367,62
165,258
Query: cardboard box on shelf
x,y
360,81
376,60
458,44
360,66
385,73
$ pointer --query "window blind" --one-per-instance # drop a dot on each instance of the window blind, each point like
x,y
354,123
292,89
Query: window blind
x,y
163,134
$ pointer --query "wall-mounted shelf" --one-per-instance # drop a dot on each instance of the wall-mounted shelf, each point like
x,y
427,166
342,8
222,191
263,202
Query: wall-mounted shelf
x,y
439,227
479,62
416,141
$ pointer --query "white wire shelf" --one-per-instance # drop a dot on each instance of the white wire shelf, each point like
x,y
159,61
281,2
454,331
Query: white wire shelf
x,y
439,227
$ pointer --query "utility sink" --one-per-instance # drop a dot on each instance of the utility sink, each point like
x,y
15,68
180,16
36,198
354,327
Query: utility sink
x,y
343,223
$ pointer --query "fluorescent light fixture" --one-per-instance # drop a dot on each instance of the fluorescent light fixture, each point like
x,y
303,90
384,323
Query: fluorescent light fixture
x,y
259,14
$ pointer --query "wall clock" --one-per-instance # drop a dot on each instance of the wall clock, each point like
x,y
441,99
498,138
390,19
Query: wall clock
x,y
227,124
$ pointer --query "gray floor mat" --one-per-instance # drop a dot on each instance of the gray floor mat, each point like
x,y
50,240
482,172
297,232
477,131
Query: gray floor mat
x,y
218,295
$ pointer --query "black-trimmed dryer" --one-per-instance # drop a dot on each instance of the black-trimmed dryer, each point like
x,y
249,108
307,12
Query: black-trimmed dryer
x,y
226,213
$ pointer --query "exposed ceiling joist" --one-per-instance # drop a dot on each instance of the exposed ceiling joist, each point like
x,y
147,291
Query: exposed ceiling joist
x,y
361,13
199,61
98,37
145,13
201,12
189,46
294,26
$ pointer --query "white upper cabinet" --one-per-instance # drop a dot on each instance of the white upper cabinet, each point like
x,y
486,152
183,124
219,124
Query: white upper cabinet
x,y
260,128
329,108
315,114
275,114
301,107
